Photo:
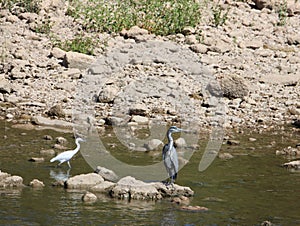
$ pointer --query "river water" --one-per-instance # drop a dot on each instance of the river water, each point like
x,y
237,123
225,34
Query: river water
x,y
246,190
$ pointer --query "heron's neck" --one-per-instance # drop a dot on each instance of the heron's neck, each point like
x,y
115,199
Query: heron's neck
x,y
170,138
77,147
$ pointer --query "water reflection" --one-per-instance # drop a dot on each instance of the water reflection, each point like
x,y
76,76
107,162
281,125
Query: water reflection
x,y
60,175
168,218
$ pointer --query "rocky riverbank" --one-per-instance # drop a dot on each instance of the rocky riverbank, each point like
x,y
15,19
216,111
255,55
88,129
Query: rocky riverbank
x,y
253,55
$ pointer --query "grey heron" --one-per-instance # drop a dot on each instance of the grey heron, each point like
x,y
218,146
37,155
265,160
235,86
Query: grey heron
x,y
67,155
169,155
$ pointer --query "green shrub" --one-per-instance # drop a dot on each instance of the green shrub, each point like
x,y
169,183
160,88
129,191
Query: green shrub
x,y
32,6
159,17
79,44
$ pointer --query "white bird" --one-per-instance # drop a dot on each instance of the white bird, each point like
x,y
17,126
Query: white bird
x,y
67,155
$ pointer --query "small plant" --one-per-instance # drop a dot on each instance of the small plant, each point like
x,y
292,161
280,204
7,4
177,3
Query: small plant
x,y
156,16
282,14
32,6
43,26
219,15
79,44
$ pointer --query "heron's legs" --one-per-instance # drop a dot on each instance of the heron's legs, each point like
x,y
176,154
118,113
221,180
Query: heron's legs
x,y
69,164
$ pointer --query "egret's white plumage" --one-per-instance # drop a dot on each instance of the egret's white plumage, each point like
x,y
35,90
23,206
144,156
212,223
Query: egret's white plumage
x,y
67,155
169,154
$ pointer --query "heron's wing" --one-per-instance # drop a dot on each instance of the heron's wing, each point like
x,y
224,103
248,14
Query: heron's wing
x,y
174,158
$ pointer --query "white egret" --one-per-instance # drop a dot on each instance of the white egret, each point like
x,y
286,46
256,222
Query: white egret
x,y
169,155
67,155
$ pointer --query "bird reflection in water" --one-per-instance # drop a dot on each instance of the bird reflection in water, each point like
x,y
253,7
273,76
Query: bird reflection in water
x,y
60,175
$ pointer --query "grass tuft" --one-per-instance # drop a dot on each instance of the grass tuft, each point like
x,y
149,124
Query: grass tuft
x,y
158,17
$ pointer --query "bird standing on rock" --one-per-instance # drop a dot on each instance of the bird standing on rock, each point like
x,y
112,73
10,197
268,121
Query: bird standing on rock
x,y
67,155
169,155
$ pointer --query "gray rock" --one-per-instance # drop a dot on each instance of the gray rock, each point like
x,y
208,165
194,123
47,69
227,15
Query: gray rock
x,y
61,140
47,152
89,197
141,120
77,60
199,48
130,188
188,30
107,174
83,181
233,142
42,121
153,144
233,86
139,109
35,183
180,142
134,32
58,53
175,190
292,164
108,94
11,181
36,159
225,156
194,208
103,187
56,110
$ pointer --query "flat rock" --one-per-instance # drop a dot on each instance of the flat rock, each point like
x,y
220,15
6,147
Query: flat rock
x,y
103,187
141,120
173,190
130,188
194,208
42,121
83,181
36,159
292,164
77,60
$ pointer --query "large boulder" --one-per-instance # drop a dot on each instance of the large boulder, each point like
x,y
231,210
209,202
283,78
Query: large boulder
x,y
130,188
84,181
233,86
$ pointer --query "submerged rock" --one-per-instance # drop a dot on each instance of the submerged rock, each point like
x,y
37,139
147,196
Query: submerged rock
x,y
89,197
36,159
35,183
292,164
194,208
8,181
289,151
